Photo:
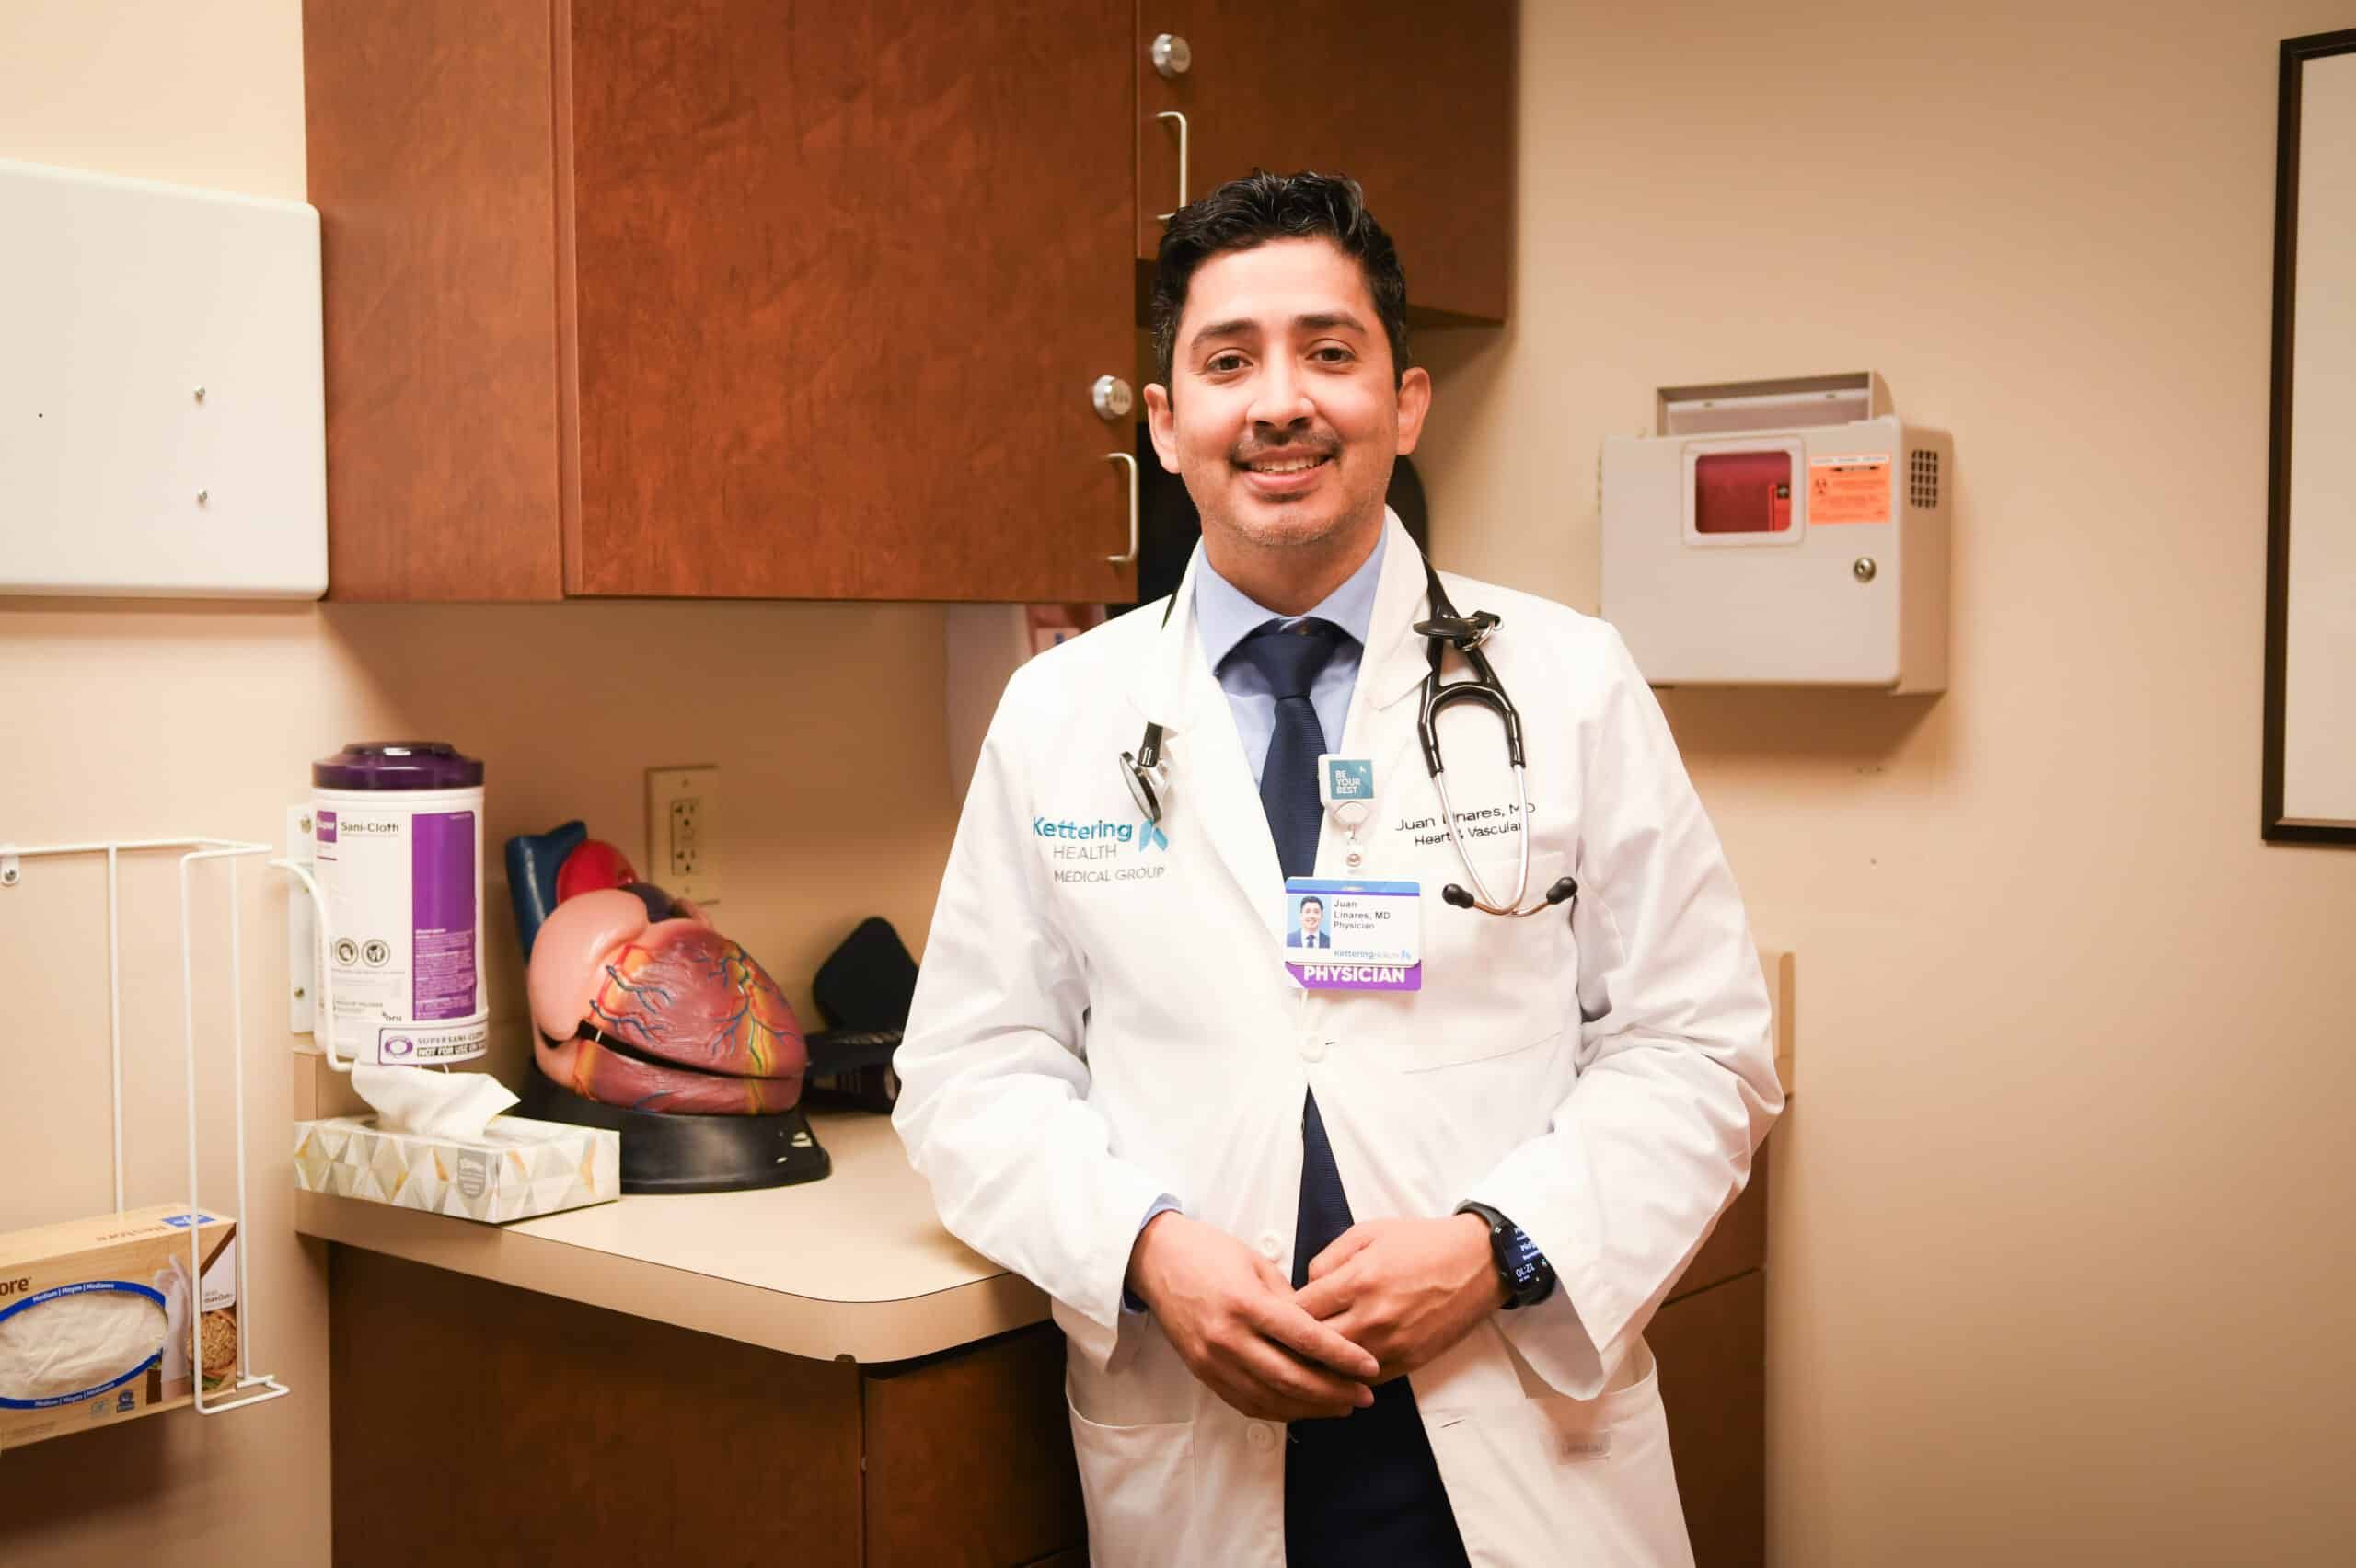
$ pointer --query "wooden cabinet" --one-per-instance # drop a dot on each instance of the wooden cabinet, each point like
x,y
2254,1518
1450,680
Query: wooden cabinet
x,y
1712,1346
1413,100
1710,1338
774,299
474,1422
969,1458
723,298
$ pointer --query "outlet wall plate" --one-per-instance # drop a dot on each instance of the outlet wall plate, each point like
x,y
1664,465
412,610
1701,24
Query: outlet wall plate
x,y
683,831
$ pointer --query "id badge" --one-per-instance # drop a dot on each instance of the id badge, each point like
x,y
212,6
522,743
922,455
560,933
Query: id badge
x,y
1354,935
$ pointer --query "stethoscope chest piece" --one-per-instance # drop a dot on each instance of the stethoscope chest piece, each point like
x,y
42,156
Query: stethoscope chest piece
x,y
1147,776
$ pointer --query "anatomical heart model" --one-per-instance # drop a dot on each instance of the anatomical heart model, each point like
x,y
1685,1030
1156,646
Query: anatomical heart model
x,y
660,1014
647,1020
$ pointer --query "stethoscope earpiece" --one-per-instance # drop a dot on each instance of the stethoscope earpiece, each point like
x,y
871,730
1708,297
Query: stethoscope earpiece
x,y
1564,888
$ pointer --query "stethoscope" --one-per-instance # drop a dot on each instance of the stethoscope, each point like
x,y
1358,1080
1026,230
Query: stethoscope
x,y
1147,772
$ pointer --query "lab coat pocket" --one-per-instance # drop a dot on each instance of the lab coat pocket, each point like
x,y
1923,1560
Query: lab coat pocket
x,y
1493,984
1138,1483
1553,1479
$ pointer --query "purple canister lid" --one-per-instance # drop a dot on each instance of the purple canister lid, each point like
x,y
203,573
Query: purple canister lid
x,y
397,765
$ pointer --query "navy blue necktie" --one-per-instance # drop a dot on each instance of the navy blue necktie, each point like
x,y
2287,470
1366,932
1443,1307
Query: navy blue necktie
x,y
1291,659
1362,1491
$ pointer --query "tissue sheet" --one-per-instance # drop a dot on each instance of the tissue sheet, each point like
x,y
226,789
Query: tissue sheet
x,y
426,1101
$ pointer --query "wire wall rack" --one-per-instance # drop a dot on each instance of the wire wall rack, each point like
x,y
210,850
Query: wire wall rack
x,y
251,1387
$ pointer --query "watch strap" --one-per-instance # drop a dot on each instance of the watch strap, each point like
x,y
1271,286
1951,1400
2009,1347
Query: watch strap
x,y
1529,1278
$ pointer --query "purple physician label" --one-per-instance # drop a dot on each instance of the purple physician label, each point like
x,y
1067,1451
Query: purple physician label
x,y
1354,935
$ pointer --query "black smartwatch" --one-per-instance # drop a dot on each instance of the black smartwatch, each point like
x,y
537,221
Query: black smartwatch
x,y
1529,1277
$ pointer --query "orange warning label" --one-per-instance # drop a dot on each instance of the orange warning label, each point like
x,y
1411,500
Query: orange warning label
x,y
1848,490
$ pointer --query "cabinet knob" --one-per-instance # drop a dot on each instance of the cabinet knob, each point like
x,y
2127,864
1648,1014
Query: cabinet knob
x,y
1171,55
1111,397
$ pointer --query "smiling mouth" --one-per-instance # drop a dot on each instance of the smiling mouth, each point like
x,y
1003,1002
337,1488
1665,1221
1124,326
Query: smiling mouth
x,y
1285,464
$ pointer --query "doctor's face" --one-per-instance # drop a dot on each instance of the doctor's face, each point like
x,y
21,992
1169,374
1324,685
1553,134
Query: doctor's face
x,y
1312,916
1283,413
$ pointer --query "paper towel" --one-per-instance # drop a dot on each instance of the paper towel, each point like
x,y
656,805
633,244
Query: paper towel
x,y
427,1100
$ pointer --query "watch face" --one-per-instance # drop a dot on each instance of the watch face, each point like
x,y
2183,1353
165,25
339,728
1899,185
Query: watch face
x,y
1522,1256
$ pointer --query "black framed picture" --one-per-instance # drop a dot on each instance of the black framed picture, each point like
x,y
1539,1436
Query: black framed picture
x,y
2310,763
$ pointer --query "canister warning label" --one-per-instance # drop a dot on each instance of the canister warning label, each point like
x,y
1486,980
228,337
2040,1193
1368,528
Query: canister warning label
x,y
1848,490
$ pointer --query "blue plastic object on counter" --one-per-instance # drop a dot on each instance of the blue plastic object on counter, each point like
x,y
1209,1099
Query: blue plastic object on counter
x,y
531,863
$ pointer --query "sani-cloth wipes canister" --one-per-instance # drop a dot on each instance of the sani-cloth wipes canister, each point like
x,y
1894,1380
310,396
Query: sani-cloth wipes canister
x,y
397,844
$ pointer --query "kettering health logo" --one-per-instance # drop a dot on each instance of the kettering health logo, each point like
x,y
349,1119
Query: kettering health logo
x,y
1099,851
1100,839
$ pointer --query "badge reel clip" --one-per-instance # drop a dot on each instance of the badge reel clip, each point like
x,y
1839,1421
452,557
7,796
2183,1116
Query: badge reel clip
x,y
1346,788
1352,815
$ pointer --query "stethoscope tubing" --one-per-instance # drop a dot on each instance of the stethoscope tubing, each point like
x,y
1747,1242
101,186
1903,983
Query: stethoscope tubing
x,y
1482,900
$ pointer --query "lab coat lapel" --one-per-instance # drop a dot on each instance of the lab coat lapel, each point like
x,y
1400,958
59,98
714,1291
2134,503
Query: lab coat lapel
x,y
1382,723
1212,791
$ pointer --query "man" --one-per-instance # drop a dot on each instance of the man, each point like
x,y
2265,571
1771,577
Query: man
x,y
1289,1339
1312,918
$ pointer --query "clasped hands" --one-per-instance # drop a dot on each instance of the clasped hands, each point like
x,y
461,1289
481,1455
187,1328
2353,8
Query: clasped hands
x,y
1386,1297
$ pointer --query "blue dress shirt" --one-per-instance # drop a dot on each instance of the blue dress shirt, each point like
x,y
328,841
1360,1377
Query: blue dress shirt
x,y
1225,616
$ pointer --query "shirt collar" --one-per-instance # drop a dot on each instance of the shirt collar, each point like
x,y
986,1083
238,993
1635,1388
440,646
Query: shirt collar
x,y
1224,614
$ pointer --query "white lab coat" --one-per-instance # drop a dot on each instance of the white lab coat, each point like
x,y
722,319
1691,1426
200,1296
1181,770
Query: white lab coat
x,y
1101,1020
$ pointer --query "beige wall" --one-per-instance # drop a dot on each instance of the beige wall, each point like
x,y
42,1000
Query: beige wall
x,y
140,718
2060,1262
2062,1266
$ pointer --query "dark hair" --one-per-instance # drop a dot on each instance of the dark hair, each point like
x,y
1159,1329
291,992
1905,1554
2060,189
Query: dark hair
x,y
1247,212
1309,898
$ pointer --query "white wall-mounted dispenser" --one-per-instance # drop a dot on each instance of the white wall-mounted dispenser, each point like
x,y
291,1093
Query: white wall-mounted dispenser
x,y
162,426
1781,532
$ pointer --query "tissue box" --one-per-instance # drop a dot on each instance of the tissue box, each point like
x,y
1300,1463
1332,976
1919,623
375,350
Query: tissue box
x,y
97,1318
518,1168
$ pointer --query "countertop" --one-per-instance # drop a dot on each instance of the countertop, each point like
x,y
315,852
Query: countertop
x,y
854,1265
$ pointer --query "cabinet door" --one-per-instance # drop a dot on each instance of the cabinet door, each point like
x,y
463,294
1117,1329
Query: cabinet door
x,y
1412,100
428,140
842,278
969,1458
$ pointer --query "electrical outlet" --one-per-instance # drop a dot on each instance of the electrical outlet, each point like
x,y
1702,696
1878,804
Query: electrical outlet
x,y
682,831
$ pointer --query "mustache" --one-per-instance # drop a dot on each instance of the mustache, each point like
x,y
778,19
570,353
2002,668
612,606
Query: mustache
x,y
1308,445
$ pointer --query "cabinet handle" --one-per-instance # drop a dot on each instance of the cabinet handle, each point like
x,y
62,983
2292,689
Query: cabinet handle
x,y
1174,114
1132,462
